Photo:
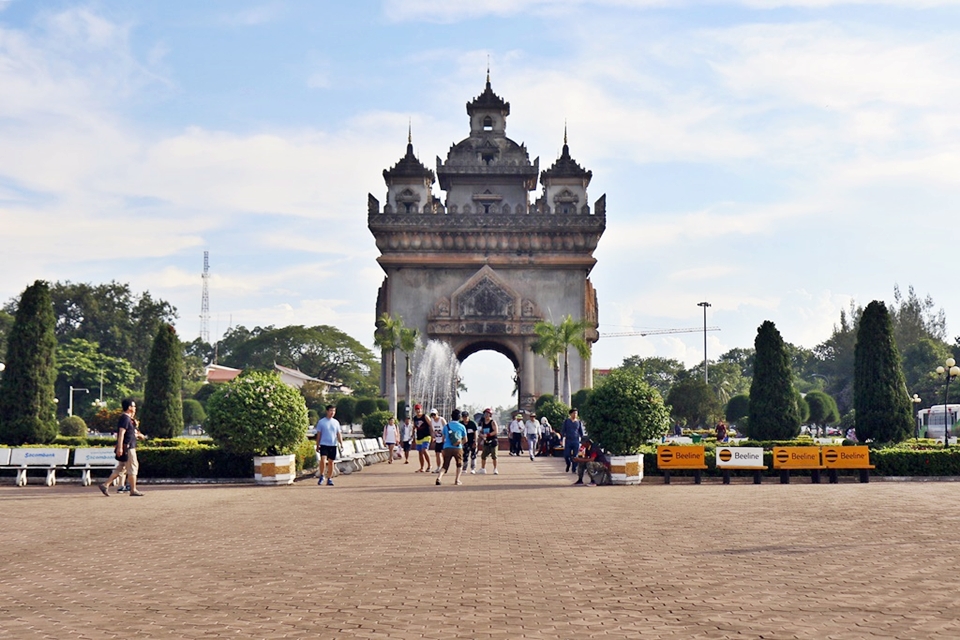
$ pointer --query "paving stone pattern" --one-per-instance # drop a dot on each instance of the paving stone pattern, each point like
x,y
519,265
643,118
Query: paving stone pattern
x,y
387,554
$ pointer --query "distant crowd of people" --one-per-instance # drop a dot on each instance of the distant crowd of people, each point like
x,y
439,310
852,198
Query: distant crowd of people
x,y
440,443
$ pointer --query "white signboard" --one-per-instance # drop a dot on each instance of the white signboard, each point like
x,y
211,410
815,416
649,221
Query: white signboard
x,y
97,457
39,457
739,457
4,456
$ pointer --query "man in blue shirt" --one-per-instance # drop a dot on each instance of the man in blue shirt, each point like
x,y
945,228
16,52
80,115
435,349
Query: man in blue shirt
x,y
454,435
572,432
328,437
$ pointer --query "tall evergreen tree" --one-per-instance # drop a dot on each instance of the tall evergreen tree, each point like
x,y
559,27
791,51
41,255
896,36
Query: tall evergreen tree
x,y
774,414
162,412
27,410
883,407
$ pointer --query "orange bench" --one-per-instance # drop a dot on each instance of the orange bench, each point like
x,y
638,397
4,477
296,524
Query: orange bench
x,y
787,459
681,458
838,457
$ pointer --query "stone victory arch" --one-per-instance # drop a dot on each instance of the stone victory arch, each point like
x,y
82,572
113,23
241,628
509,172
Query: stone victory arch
x,y
481,267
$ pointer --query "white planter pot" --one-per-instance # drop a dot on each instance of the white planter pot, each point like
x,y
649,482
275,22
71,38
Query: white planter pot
x,y
274,469
626,469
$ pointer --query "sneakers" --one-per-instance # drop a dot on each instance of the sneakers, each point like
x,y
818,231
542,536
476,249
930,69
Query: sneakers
x,y
135,494
438,482
320,481
124,489
496,472
567,469
473,471
459,482
103,490
482,472
531,457
329,482
437,470
578,482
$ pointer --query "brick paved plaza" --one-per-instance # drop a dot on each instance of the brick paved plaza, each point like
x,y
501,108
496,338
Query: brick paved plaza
x,y
386,554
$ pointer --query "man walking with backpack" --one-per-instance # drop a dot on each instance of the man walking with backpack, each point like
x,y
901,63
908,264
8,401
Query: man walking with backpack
x,y
454,435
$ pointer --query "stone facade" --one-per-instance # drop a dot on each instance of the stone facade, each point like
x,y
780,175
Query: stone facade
x,y
482,266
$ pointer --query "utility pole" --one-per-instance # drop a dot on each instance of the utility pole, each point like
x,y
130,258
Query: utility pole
x,y
706,378
205,301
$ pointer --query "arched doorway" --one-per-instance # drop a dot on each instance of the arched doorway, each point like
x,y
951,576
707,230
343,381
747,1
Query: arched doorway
x,y
490,373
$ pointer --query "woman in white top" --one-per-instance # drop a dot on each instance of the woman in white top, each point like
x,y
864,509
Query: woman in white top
x,y
438,423
391,436
531,430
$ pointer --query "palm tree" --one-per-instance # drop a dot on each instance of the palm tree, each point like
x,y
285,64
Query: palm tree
x,y
409,337
570,333
388,337
548,345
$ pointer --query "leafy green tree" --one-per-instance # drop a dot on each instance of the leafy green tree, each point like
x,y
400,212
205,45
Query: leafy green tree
x,y
548,345
80,363
659,373
323,352
737,408
624,412
162,412
880,399
803,411
694,402
774,414
726,379
741,357
257,414
111,315
27,411
347,410
836,355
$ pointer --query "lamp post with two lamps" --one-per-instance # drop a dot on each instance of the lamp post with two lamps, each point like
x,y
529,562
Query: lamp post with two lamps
x,y
950,370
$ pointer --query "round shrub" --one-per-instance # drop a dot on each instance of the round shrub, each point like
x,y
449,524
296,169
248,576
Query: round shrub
x,y
365,406
555,412
373,423
258,415
738,407
580,398
542,400
73,426
382,404
624,412
193,413
346,410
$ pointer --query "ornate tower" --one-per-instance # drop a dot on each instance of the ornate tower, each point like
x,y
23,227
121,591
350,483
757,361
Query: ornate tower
x,y
479,269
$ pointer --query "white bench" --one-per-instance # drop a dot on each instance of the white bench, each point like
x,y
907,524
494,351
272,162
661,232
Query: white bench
x,y
349,460
50,460
87,460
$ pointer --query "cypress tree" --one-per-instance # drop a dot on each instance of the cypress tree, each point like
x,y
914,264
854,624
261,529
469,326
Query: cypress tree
x,y
162,413
27,410
882,406
773,402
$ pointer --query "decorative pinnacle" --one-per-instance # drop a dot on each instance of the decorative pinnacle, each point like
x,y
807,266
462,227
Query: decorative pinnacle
x,y
564,131
410,131
488,69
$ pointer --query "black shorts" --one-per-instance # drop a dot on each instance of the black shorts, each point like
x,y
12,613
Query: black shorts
x,y
438,447
406,445
328,451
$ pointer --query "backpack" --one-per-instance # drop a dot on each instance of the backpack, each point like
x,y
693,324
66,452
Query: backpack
x,y
452,436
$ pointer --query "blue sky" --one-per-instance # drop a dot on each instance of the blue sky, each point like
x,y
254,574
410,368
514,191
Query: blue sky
x,y
777,158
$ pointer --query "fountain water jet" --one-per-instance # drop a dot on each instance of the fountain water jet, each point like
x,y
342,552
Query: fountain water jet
x,y
436,372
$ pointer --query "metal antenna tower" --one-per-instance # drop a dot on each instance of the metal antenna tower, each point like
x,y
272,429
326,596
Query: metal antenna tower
x,y
205,302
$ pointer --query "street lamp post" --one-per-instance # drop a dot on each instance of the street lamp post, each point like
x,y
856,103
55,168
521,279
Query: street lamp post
x,y
706,378
72,390
916,416
951,370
